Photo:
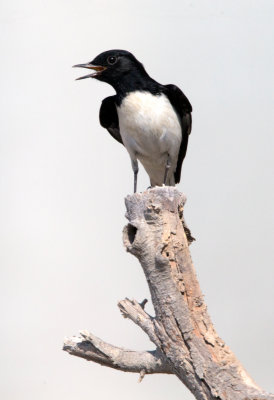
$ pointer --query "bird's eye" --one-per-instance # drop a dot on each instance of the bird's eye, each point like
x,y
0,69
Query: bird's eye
x,y
112,60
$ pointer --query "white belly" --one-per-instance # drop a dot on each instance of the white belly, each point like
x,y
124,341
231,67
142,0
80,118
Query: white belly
x,y
151,132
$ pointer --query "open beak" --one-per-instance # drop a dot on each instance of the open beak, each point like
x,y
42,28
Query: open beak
x,y
97,68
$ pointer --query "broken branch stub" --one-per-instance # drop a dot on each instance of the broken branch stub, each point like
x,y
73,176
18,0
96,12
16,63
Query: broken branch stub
x,y
187,344
157,235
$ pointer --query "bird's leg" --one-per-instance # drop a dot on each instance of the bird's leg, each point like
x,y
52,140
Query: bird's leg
x,y
167,168
135,168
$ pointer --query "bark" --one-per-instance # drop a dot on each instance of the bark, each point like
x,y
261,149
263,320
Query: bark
x,y
94,349
187,344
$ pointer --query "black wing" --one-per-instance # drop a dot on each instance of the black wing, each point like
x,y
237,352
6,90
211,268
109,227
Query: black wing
x,y
109,118
183,108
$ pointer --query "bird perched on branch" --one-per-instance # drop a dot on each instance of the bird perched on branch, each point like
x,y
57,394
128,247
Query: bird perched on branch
x,y
151,120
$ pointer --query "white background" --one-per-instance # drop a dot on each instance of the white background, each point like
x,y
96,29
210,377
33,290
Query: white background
x,y
63,180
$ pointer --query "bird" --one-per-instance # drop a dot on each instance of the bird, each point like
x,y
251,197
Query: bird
x,y
153,121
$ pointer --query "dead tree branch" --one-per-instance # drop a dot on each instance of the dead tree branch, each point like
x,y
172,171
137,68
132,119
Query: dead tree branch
x,y
94,349
187,344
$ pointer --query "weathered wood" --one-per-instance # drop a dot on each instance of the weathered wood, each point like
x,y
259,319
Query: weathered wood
x,y
94,349
186,342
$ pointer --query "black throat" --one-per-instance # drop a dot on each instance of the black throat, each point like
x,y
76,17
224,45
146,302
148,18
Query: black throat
x,y
134,81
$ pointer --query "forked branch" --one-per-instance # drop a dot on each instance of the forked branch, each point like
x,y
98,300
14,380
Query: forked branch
x,y
187,344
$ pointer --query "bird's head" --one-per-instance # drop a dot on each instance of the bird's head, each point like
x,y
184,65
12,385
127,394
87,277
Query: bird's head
x,y
113,66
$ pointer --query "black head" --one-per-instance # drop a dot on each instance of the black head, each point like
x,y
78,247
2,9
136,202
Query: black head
x,y
114,67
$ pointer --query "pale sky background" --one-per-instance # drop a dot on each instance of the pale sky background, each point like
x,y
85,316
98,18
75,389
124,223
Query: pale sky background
x,y
63,180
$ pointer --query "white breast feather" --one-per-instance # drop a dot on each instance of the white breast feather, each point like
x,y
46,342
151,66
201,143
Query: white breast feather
x,y
150,130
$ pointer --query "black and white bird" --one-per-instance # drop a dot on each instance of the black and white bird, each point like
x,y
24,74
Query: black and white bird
x,y
151,120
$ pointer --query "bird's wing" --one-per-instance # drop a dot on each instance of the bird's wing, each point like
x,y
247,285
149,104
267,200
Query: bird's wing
x,y
109,118
183,109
